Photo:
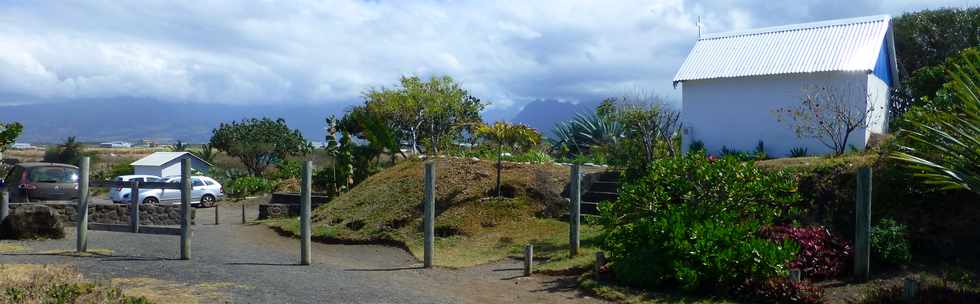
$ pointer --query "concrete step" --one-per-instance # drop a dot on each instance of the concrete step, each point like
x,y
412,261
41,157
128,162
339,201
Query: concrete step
x,y
597,196
603,186
589,208
609,176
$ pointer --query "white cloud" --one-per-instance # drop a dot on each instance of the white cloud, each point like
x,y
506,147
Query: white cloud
x,y
506,52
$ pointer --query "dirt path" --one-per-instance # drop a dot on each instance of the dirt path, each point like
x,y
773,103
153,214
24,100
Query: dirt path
x,y
253,264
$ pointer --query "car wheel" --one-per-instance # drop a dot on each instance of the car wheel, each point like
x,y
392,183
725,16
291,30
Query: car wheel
x,y
208,201
151,201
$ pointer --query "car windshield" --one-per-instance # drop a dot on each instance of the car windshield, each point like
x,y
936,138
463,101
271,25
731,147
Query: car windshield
x,y
54,175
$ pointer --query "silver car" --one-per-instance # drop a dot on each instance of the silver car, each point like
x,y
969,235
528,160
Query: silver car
x,y
121,195
206,192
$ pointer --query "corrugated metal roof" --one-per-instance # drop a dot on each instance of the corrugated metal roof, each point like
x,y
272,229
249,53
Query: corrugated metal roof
x,y
160,158
835,45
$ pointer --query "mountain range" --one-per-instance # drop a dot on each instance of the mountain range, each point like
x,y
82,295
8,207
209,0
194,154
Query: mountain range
x,y
167,122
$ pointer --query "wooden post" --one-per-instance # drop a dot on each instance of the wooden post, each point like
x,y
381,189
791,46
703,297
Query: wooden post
x,y
81,244
575,203
600,260
216,220
304,211
4,205
862,224
134,206
429,212
528,259
243,212
185,208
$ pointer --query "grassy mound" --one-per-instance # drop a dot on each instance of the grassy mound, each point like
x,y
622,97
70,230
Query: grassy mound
x,y
472,225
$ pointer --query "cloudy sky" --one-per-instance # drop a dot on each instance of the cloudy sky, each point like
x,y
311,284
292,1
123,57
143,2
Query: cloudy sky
x,y
295,52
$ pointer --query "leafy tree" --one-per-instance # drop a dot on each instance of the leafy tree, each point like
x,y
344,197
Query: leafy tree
x,y
179,147
259,142
503,134
70,152
429,111
9,133
829,114
943,147
650,128
333,147
345,161
923,41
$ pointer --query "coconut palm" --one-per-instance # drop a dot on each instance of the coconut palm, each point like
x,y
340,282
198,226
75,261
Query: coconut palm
x,y
944,147
501,133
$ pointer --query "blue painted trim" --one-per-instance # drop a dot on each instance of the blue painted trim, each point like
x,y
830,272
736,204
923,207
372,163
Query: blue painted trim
x,y
883,66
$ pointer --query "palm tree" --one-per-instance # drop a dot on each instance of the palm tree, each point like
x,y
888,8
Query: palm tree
x,y
502,133
944,147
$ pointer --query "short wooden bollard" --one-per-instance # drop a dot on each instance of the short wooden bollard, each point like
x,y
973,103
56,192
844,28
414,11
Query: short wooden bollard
x,y
134,206
243,213
216,219
600,261
862,225
528,259
574,209
304,211
429,213
911,290
81,241
4,205
185,209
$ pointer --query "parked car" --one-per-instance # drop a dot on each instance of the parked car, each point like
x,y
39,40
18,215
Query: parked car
x,y
116,194
206,192
41,181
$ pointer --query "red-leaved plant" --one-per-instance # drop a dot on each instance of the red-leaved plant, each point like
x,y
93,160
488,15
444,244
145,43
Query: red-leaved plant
x,y
822,255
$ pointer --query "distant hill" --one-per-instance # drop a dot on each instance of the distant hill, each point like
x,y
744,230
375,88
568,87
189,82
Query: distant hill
x,y
131,120
544,114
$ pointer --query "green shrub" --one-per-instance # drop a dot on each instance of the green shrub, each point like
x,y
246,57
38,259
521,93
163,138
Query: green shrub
x,y
694,222
890,243
250,185
798,152
287,169
533,156
697,145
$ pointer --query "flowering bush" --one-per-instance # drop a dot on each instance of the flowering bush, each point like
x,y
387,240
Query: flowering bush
x,y
822,255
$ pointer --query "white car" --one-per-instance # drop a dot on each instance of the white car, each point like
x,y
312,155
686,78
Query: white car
x,y
205,192
116,194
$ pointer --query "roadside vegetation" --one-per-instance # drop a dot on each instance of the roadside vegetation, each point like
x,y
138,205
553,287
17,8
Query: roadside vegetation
x,y
29,283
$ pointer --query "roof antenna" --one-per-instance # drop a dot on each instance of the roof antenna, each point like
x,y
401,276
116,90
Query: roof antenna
x,y
699,27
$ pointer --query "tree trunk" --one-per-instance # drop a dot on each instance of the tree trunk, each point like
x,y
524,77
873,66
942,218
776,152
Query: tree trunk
x,y
500,148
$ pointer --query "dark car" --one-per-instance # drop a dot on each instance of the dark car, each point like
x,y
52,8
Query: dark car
x,y
41,181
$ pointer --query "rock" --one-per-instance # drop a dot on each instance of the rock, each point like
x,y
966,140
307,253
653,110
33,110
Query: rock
x,y
32,222
475,158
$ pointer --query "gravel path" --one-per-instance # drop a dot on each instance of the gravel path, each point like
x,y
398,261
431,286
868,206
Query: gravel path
x,y
261,266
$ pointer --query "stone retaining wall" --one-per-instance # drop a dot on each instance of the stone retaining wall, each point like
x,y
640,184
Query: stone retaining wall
x,y
153,215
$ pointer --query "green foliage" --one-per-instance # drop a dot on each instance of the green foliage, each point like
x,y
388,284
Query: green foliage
x,y
890,243
798,152
503,134
288,168
760,151
696,145
585,134
70,152
693,222
943,148
9,133
923,42
259,142
421,111
207,153
123,168
180,146
250,185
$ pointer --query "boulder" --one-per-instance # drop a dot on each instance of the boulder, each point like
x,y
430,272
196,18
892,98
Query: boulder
x,y
32,222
